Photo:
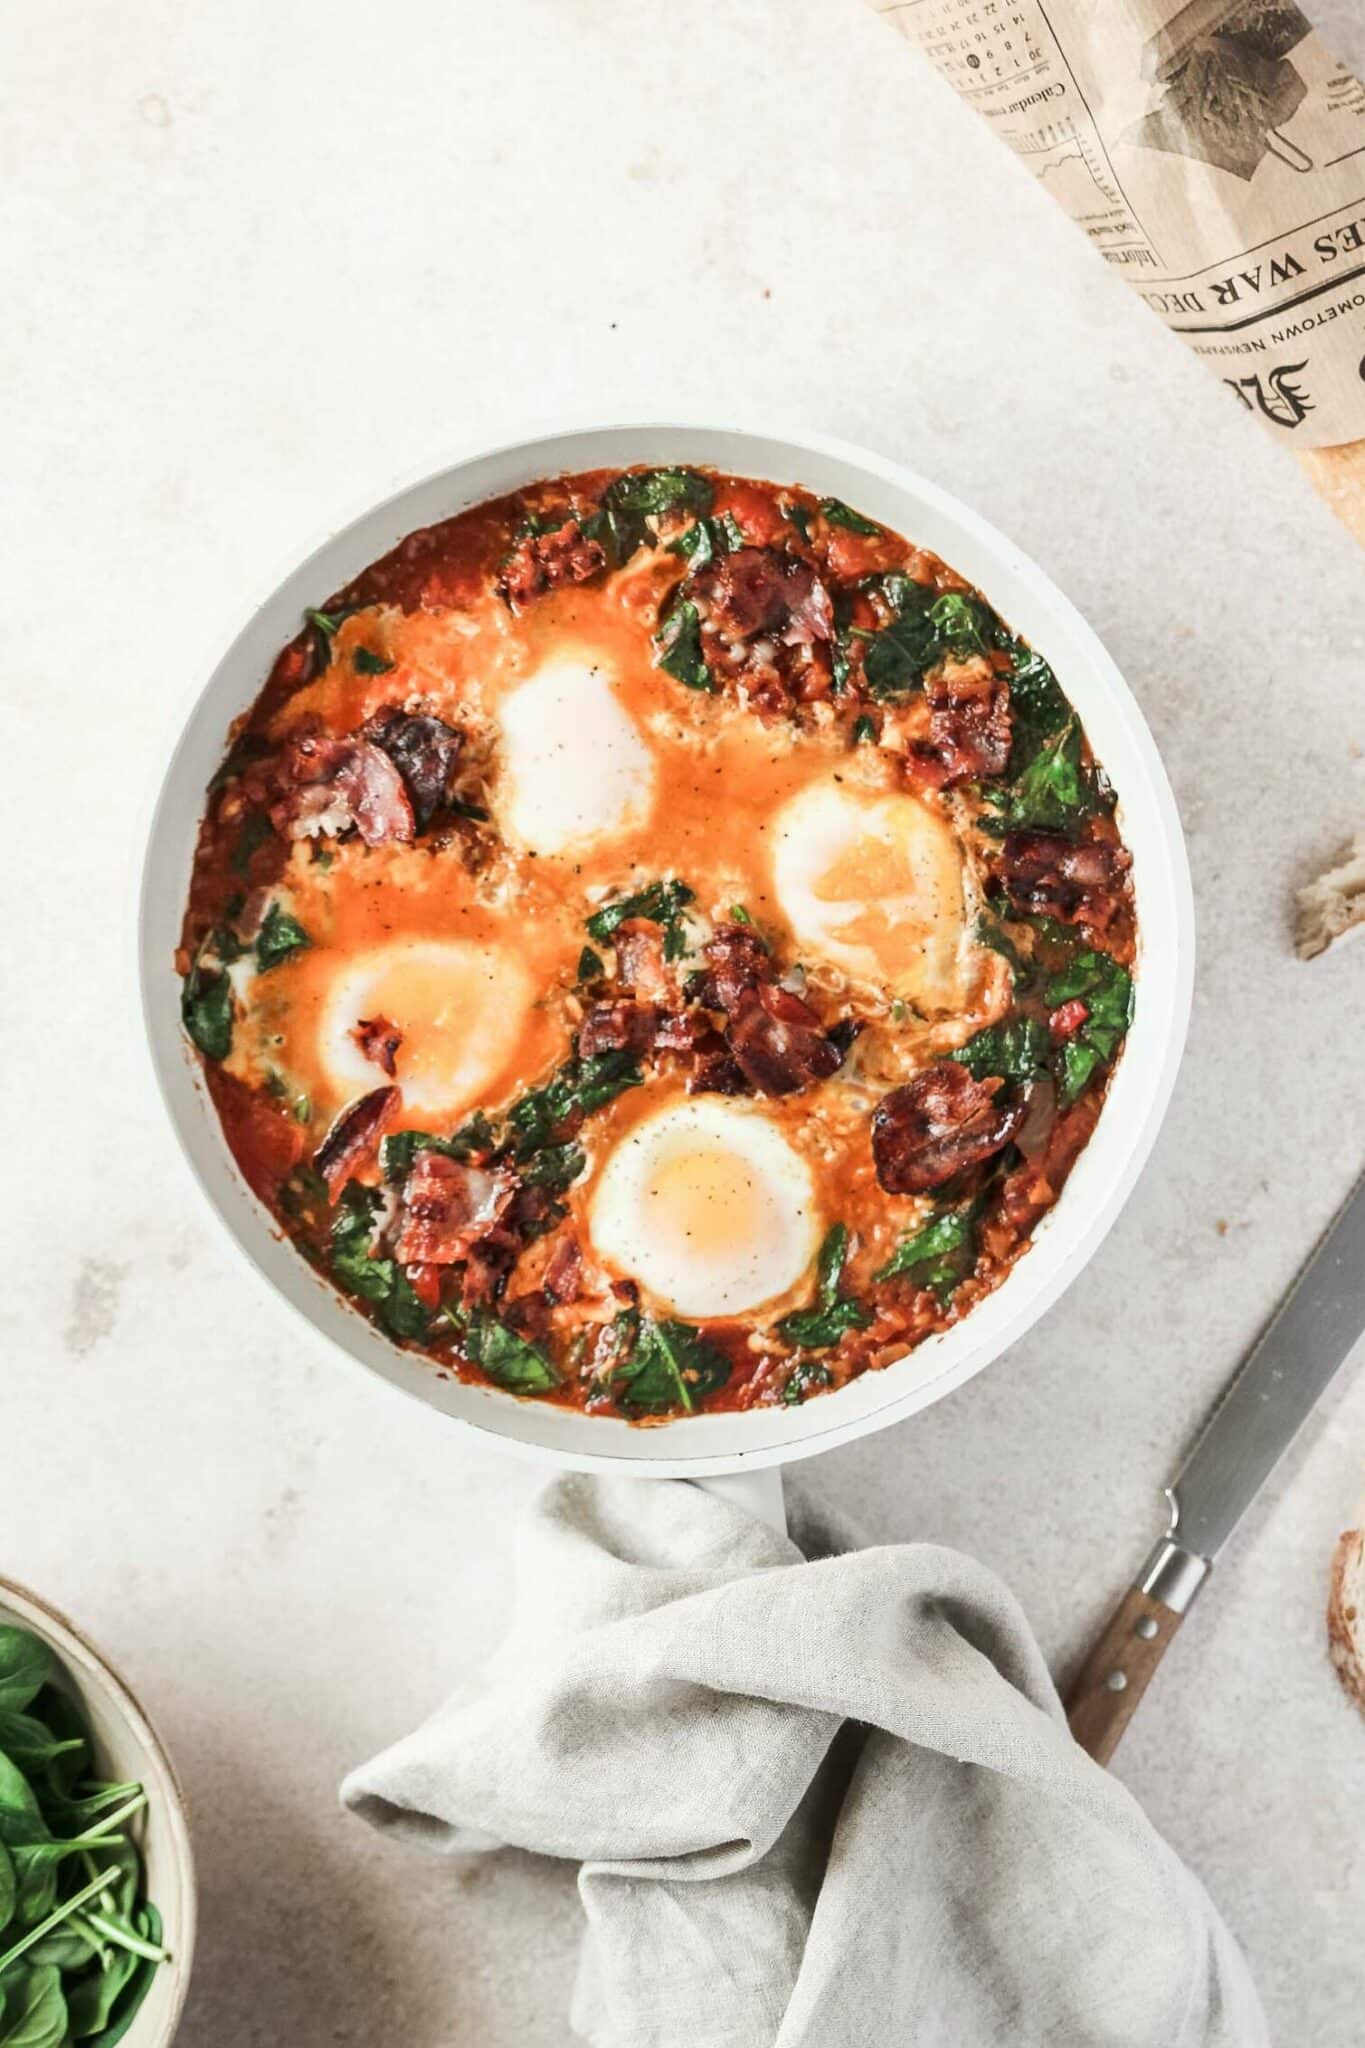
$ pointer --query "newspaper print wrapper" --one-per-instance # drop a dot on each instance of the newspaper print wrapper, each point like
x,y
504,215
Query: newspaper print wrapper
x,y
1214,153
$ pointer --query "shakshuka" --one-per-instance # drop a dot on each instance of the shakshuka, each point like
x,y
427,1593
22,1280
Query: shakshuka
x,y
659,942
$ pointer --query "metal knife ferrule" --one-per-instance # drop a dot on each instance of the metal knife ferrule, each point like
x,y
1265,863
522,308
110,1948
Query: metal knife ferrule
x,y
1173,1575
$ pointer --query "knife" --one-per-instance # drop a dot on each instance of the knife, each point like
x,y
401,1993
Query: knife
x,y
1257,1419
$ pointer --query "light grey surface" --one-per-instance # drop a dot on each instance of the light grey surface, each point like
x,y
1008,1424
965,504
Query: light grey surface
x,y
262,260
1284,1376
797,1785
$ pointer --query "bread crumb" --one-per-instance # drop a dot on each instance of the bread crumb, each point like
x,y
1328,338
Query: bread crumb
x,y
1333,905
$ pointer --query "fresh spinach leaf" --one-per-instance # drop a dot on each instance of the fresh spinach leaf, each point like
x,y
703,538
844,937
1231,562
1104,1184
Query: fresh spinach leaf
x,y
279,936
505,1356
679,643
668,1365
35,2010
367,663
840,514
26,1665
662,903
1014,1049
29,1742
939,1255
834,1313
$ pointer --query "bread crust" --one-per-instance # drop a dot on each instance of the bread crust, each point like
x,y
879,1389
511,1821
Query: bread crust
x,y
1346,1613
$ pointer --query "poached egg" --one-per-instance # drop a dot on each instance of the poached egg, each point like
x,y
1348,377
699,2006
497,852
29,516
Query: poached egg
x,y
708,1207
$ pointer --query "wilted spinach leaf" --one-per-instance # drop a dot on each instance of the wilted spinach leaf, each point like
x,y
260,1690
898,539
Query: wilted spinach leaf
x,y
1014,1050
206,1011
667,1365
256,829
940,1254
840,514
1052,792
367,663
580,1086
989,933
679,643
807,1376
630,502
506,1357
1106,989
380,1281
398,1150
834,1313
662,903
279,936
898,656
700,544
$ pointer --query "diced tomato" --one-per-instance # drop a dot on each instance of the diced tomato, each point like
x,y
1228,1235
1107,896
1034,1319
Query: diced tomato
x,y
1068,1018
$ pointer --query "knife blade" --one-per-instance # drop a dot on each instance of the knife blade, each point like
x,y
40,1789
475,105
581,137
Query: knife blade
x,y
1284,1375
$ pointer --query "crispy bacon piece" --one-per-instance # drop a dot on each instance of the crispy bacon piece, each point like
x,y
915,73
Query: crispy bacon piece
x,y
759,592
547,561
738,960
379,1040
354,1135
448,1206
681,1031
426,753
938,1124
717,1072
778,1043
1042,871
486,1267
623,1026
562,1279
325,786
969,719
639,947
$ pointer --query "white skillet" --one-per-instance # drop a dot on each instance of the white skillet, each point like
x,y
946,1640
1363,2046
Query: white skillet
x,y
705,1446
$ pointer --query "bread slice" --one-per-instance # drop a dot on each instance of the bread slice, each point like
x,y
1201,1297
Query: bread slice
x,y
1346,1613
1329,907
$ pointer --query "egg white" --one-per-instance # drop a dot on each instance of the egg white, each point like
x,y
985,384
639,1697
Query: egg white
x,y
708,1207
458,1006
873,882
575,766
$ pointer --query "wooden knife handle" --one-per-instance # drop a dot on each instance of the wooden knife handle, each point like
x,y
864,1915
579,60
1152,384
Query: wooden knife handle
x,y
1116,1674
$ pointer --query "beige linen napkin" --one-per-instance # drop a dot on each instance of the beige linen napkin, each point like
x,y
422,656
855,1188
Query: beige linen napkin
x,y
815,1804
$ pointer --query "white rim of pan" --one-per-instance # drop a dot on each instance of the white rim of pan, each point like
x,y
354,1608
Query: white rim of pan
x,y
1139,1093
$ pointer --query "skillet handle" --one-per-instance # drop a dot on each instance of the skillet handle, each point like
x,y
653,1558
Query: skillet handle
x,y
758,1493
